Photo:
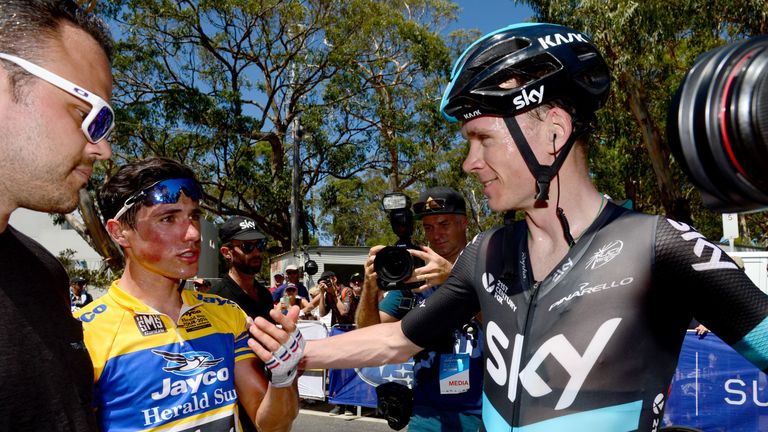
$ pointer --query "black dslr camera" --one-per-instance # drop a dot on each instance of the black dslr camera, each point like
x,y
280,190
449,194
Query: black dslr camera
x,y
718,126
394,264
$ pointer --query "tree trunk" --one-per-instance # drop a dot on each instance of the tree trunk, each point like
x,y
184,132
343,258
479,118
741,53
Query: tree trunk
x,y
675,206
93,232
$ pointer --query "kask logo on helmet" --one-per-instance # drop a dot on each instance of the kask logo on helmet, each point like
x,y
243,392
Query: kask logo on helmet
x,y
559,39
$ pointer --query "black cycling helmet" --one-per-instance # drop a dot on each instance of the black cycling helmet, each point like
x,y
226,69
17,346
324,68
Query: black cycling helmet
x,y
554,63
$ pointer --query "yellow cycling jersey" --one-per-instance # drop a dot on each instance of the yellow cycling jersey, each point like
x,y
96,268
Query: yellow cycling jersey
x,y
153,374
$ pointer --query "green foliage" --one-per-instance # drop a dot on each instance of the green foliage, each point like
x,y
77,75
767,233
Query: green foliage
x,y
228,87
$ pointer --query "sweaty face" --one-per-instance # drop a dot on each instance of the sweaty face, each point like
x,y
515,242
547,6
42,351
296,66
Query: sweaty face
x,y
46,157
495,160
446,234
166,239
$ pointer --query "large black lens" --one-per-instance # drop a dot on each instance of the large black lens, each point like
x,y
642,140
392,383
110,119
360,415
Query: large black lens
x,y
718,126
393,264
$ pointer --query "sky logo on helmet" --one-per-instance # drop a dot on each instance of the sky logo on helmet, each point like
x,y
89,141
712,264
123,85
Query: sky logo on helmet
x,y
526,98
557,39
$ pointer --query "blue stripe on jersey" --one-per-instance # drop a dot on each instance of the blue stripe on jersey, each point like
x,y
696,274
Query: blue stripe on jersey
x,y
152,387
617,418
754,346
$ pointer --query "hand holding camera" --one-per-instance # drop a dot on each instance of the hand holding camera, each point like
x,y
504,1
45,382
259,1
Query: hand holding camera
x,y
434,272
394,264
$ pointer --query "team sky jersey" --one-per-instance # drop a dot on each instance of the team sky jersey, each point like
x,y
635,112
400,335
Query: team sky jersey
x,y
594,345
153,374
459,392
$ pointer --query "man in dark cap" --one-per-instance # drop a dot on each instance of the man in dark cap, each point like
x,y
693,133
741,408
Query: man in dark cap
x,y
241,246
437,403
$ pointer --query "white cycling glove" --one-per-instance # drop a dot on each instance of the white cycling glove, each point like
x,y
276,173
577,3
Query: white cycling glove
x,y
282,368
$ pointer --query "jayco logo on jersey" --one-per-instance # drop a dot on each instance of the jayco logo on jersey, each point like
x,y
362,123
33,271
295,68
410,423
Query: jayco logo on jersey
x,y
556,39
714,262
526,98
605,254
247,224
498,289
188,363
578,366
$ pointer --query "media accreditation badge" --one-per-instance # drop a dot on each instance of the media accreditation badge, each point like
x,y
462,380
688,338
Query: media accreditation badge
x,y
454,373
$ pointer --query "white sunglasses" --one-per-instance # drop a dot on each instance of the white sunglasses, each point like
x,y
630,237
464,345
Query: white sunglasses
x,y
100,120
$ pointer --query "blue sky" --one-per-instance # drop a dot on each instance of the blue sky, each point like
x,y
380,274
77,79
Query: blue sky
x,y
489,15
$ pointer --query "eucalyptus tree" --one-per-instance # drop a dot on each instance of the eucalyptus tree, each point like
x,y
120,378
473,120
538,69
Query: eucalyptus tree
x,y
229,86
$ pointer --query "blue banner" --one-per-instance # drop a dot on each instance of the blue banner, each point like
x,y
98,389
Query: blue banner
x,y
358,386
716,389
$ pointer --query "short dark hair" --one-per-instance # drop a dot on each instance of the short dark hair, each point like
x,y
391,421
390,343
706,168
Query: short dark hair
x,y
133,177
26,26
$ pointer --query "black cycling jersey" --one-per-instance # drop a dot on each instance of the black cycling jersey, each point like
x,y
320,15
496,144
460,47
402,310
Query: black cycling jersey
x,y
594,345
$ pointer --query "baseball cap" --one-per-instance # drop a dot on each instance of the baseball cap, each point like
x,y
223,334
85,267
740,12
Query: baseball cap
x,y
356,276
327,274
77,280
279,273
291,267
439,200
239,228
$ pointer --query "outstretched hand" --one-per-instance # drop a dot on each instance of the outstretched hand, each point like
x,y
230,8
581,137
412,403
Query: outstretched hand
x,y
279,346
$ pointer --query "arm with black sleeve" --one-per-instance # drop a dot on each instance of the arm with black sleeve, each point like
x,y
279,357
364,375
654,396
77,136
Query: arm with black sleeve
x,y
709,286
444,311
451,306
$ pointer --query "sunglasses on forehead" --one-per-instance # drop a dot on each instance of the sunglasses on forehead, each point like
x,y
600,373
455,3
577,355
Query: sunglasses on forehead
x,y
432,204
99,121
249,246
163,192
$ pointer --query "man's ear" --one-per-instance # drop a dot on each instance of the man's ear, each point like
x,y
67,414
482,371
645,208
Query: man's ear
x,y
117,232
226,252
559,127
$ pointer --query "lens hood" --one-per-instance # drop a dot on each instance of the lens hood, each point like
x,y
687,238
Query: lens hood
x,y
393,264
718,126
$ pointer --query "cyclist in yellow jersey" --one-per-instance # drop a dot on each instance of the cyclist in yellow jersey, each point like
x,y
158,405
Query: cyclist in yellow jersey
x,y
170,359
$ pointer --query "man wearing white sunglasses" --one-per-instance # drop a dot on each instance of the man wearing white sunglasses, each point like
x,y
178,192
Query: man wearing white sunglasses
x,y
55,77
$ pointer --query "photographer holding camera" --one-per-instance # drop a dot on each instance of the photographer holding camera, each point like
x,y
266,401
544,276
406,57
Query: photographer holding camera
x,y
455,402
585,304
334,298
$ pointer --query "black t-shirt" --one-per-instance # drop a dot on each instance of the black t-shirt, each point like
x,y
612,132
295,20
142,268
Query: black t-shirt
x,y
46,375
596,342
229,289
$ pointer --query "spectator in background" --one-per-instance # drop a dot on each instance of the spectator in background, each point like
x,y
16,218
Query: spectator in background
x,y
356,285
334,298
290,298
292,274
78,296
279,279
55,84
242,246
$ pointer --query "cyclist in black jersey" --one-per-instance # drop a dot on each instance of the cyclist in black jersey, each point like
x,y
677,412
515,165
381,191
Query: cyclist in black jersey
x,y
585,304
